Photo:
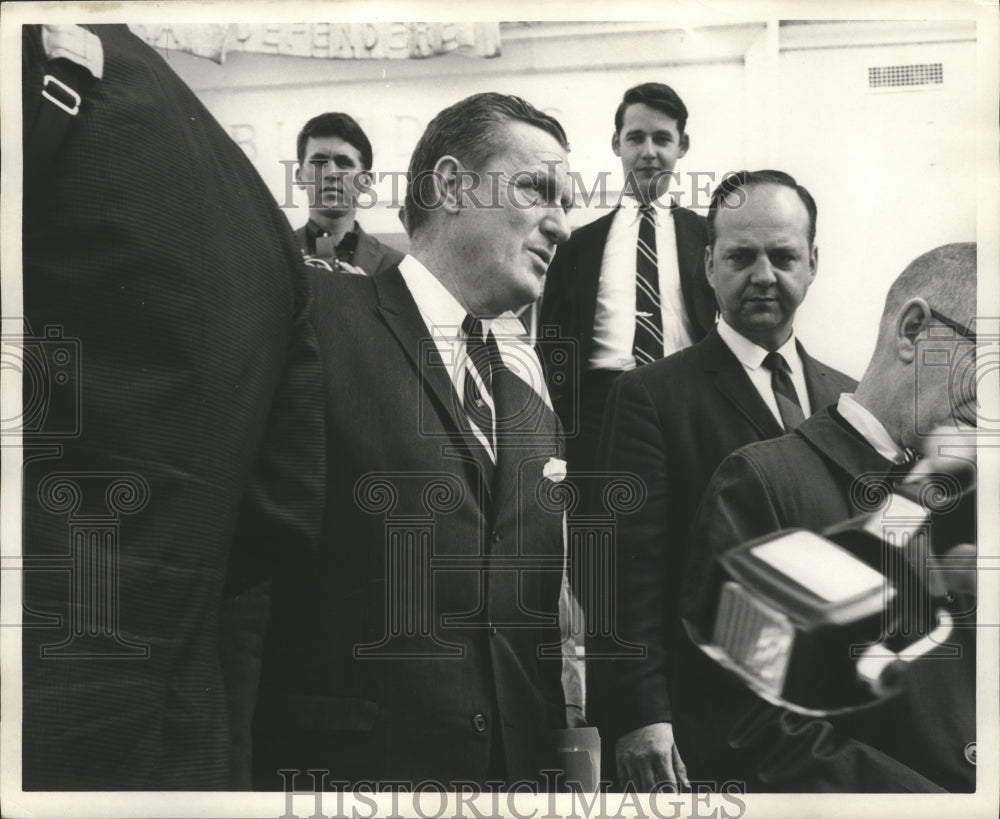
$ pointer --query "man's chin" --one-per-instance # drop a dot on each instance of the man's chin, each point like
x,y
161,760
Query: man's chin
x,y
526,295
333,211
763,318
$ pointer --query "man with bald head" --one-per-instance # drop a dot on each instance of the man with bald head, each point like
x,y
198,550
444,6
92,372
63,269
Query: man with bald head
x,y
921,378
673,421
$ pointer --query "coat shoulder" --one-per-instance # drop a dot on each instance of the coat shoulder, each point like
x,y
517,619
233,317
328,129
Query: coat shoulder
x,y
838,381
688,216
841,380
666,381
586,234
333,291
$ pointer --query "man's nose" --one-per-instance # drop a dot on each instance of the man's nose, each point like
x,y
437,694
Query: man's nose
x,y
762,273
555,225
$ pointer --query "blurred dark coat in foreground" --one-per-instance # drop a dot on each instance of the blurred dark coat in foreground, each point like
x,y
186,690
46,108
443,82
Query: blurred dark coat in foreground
x,y
172,419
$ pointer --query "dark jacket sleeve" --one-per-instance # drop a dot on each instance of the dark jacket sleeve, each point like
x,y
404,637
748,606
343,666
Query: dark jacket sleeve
x,y
632,691
186,389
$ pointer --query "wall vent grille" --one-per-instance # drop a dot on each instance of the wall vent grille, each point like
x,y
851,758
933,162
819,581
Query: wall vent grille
x,y
905,76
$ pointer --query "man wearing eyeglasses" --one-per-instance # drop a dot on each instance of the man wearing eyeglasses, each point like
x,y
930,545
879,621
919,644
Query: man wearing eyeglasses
x,y
921,378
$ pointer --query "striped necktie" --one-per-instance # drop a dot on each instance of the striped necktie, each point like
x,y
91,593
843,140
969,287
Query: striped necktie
x,y
784,391
647,345
902,467
477,393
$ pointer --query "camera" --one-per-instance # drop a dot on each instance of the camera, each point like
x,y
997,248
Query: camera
x,y
828,623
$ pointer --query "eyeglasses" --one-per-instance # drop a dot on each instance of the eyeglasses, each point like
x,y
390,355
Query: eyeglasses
x,y
961,329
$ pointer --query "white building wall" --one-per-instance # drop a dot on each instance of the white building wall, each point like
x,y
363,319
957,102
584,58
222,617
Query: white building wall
x,y
893,171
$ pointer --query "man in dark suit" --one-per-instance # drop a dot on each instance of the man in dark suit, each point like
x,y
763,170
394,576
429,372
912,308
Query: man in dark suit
x,y
423,641
922,375
173,416
672,422
642,265
335,162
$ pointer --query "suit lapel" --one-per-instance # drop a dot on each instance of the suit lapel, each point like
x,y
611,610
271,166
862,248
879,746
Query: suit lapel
x,y
399,311
525,424
833,440
372,256
821,392
365,254
732,381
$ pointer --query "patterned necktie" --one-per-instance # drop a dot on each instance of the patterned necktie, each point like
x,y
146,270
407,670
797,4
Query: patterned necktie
x,y
784,391
477,396
647,345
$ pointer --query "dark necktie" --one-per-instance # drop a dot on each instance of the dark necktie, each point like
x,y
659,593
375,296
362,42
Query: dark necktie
x,y
484,355
784,391
647,345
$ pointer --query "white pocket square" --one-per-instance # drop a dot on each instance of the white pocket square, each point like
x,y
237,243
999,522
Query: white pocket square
x,y
554,469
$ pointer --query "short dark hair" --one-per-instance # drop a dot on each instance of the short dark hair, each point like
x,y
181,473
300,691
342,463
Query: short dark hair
x,y
739,180
472,131
656,95
335,124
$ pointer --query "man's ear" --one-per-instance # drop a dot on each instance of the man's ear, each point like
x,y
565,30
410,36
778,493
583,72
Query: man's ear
x,y
446,178
616,145
813,262
298,175
685,143
709,269
911,321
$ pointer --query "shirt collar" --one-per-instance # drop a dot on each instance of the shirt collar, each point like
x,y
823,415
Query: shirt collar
x,y
869,428
443,316
440,309
752,355
663,205
346,245
313,227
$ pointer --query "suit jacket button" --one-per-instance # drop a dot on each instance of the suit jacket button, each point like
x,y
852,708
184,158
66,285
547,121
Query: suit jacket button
x,y
493,628
497,537
479,723
970,753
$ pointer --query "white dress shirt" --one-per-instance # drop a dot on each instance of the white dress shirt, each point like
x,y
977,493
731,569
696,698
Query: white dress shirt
x,y
443,316
870,428
614,318
752,356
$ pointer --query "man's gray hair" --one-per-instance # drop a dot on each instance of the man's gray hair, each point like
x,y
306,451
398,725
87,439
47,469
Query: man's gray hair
x,y
472,131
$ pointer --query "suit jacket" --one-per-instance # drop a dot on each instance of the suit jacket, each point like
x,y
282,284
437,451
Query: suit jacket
x,y
176,418
396,652
370,255
671,423
569,303
915,742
